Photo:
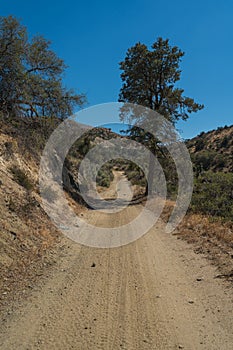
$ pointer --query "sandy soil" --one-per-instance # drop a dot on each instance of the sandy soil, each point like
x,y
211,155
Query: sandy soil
x,y
155,293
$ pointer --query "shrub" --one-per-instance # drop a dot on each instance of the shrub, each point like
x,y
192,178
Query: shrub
x,y
203,160
21,178
220,161
224,142
199,145
213,195
105,175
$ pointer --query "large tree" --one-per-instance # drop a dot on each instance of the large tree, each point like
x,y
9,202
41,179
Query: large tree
x,y
31,75
149,79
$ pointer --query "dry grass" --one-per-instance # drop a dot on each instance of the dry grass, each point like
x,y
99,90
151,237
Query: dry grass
x,y
209,236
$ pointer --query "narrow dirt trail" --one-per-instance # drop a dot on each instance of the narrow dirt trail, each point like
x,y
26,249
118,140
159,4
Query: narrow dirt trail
x,y
155,293
119,187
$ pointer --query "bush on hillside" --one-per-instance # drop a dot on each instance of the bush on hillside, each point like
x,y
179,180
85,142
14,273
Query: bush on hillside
x,y
213,195
21,178
105,175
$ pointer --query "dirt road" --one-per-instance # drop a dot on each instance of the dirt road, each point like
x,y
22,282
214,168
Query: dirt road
x,y
155,293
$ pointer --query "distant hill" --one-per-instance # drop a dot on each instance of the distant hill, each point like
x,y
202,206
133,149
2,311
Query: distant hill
x,y
213,150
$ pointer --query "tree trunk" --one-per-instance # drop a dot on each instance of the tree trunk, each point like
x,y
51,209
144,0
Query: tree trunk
x,y
151,172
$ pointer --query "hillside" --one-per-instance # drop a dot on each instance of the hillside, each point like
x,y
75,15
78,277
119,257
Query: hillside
x,y
26,231
213,150
28,236
209,222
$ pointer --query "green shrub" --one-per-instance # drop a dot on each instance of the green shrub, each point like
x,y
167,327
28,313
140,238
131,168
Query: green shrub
x,y
213,195
225,142
105,175
203,160
104,182
199,145
21,178
220,161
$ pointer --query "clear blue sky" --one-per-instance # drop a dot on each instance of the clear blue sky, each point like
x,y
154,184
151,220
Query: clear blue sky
x,y
93,36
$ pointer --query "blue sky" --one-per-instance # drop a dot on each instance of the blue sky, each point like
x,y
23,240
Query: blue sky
x,y
93,36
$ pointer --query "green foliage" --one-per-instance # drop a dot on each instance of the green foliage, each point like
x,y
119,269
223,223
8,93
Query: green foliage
x,y
209,160
212,150
133,172
213,195
103,180
225,142
220,161
137,177
170,172
199,145
21,178
203,161
31,75
105,175
149,78
82,146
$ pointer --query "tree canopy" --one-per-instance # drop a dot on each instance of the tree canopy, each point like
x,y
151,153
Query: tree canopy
x,y
31,75
149,79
